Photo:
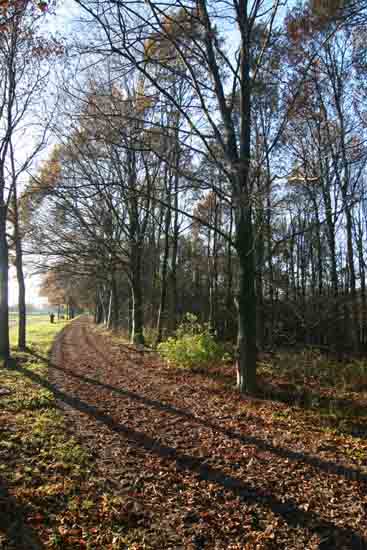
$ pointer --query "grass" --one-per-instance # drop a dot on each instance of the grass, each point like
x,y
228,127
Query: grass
x,y
49,496
40,334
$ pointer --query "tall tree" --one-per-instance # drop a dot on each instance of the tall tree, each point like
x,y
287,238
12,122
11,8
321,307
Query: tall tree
x,y
21,75
195,35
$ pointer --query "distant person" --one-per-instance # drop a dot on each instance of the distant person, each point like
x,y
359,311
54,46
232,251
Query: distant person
x,y
52,317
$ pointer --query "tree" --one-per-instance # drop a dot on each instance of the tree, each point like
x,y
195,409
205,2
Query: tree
x,y
186,43
21,76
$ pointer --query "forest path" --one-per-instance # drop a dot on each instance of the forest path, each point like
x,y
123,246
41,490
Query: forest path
x,y
197,465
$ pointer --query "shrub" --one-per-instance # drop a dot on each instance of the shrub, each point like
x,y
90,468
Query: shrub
x,y
192,346
150,336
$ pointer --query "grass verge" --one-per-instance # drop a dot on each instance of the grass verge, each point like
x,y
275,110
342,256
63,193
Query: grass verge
x,y
50,496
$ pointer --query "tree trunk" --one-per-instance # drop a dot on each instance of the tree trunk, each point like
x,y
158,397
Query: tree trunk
x,y
137,329
210,283
115,303
260,256
4,306
269,253
113,310
213,273
229,332
353,290
98,314
103,313
21,304
174,259
335,289
20,275
246,368
330,235
109,315
362,276
163,296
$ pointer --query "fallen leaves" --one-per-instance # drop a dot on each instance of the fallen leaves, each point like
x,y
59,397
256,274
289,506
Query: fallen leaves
x,y
153,458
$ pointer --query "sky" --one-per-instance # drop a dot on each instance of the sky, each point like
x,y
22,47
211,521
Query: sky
x,y
32,290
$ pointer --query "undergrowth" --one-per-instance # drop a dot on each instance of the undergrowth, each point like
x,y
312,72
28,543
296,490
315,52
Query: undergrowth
x,y
312,367
192,346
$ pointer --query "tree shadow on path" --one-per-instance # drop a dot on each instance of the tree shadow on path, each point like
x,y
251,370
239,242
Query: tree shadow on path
x,y
332,535
15,534
324,465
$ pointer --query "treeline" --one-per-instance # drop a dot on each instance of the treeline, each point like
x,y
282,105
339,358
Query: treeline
x,y
30,308
209,171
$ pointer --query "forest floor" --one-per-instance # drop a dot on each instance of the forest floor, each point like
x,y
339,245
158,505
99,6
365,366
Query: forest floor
x,y
149,456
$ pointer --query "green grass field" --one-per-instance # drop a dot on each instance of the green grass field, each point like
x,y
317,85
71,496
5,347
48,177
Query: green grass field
x,y
40,332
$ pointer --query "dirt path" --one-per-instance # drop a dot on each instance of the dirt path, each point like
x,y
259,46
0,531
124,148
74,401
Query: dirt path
x,y
199,466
